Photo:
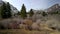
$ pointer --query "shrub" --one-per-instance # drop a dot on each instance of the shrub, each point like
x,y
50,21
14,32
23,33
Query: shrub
x,y
44,13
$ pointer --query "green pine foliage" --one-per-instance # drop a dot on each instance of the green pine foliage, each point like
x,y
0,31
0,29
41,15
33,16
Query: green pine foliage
x,y
8,10
5,10
23,12
31,13
0,11
44,14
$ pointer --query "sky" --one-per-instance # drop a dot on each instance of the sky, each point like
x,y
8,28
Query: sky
x,y
34,4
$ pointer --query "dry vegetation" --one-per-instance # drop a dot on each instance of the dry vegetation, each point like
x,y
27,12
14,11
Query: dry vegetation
x,y
23,31
41,26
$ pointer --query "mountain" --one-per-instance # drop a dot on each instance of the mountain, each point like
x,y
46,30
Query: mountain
x,y
13,9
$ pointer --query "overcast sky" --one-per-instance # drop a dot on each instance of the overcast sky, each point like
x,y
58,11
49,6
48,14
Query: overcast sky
x,y
34,4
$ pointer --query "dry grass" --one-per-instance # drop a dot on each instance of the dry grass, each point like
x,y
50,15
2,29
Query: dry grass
x,y
28,22
44,28
23,31
19,32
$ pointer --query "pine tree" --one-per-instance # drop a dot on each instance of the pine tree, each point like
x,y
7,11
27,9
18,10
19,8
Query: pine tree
x,y
3,10
44,14
31,13
0,11
23,12
8,10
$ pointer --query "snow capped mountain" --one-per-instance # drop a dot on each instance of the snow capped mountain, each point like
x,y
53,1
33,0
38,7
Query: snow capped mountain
x,y
13,10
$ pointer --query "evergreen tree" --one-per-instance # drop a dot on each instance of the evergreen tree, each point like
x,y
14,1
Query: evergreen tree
x,y
23,12
44,13
0,11
31,13
8,10
3,10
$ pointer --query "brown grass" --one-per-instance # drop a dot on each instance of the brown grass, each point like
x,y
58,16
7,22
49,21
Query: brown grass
x,y
23,31
28,22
